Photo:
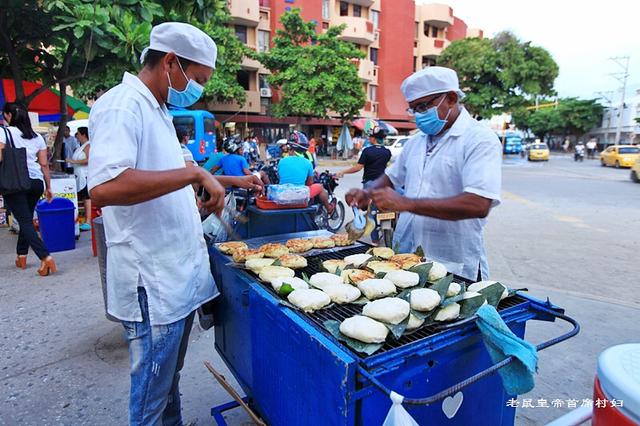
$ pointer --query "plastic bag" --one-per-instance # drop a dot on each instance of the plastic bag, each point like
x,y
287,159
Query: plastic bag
x,y
397,415
212,227
288,194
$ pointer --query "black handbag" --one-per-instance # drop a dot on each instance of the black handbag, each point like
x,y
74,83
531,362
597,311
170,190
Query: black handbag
x,y
14,175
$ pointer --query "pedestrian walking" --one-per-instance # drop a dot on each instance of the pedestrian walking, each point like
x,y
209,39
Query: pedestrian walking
x,y
22,204
69,146
591,148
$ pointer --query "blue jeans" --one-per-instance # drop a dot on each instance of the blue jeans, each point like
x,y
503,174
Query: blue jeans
x,y
156,356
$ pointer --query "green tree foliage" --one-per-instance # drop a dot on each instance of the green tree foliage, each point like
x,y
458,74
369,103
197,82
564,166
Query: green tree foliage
x,y
88,44
571,117
316,72
500,74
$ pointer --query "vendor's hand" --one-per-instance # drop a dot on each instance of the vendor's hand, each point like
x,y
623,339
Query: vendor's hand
x,y
357,197
48,194
387,199
215,203
251,182
69,160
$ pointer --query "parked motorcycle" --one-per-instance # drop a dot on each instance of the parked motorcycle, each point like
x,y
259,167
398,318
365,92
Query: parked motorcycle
x,y
334,221
579,153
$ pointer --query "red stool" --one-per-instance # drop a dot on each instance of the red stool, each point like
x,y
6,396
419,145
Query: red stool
x,y
95,212
618,383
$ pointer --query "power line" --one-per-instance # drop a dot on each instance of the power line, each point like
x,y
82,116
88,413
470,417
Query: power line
x,y
622,62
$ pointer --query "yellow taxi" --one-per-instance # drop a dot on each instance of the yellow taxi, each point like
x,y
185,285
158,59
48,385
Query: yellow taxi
x,y
538,152
620,156
635,171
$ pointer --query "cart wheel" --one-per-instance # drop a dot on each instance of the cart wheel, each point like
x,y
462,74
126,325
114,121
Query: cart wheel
x,y
334,223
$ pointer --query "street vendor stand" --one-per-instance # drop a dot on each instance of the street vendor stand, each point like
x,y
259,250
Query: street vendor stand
x,y
294,372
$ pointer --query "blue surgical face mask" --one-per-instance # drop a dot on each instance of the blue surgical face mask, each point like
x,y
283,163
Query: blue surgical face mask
x,y
429,122
186,97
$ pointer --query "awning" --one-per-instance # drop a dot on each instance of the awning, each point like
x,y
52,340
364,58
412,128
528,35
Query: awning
x,y
46,104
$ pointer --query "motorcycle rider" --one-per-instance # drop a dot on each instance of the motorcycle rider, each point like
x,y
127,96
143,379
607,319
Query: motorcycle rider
x,y
233,164
579,154
373,160
297,169
298,138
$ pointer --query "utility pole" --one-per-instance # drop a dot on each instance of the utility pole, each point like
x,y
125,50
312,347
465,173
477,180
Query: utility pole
x,y
622,62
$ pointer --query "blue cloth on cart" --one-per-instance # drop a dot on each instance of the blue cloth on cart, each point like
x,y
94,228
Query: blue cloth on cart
x,y
517,376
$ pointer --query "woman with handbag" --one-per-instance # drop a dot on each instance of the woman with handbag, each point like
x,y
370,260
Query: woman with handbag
x,y
22,203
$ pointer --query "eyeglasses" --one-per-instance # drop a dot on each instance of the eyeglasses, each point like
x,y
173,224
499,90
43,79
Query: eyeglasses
x,y
422,106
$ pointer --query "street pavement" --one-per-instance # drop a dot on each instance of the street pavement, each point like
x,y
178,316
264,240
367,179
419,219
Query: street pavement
x,y
567,231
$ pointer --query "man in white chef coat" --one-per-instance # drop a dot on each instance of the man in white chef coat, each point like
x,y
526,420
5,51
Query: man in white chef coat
x,y
158,269
450,173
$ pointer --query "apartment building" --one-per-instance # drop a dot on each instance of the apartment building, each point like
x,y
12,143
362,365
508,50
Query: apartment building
x,y
396,36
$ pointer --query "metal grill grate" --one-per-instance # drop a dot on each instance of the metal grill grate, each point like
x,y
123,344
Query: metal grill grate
x,y
342,312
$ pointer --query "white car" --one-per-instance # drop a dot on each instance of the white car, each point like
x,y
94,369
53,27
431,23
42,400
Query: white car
x,y
395,145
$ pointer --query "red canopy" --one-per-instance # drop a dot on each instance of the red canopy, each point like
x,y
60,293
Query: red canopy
x,y
46,104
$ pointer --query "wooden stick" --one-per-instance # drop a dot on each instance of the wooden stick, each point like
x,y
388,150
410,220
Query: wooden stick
x,y
220,378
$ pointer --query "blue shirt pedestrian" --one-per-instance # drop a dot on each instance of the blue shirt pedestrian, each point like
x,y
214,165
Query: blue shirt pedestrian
x,y
233,165
294,170
213,161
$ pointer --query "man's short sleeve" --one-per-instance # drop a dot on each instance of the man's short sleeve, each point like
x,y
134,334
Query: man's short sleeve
x,y
114,135
482,170
245,163
363,157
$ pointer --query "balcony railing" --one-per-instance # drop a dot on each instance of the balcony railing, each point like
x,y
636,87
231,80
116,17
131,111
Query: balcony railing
x,y
358,30
244,12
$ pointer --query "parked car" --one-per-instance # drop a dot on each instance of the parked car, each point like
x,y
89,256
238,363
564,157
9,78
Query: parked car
x,y
635,171
395,145
620,156
538,152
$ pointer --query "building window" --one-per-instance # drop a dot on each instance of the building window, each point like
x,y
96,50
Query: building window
x,y
263,41
417,29
373,93
264,16
344,8
357,10
430,30
241,33
415,63
243,79
264,84
428,62
373,55
325,9
325,25
375,18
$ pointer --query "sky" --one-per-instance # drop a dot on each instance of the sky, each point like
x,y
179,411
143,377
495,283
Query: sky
x,y
580,35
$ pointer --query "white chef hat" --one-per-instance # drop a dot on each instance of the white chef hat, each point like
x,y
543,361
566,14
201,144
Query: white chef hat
x,y
185,40
429,81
